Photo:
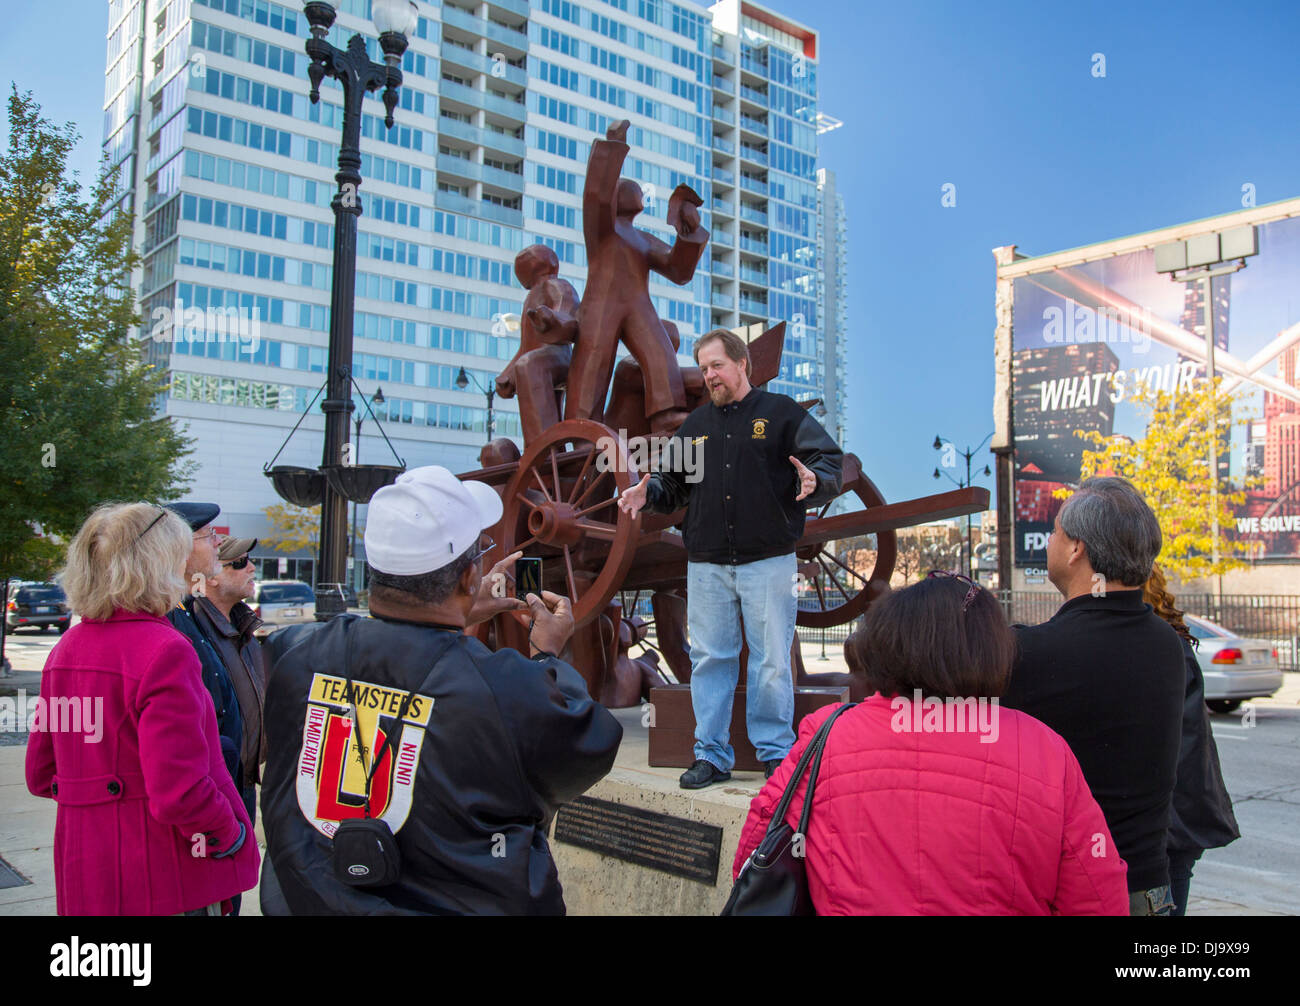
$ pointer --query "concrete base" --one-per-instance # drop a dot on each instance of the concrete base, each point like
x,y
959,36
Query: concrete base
x,y
602,885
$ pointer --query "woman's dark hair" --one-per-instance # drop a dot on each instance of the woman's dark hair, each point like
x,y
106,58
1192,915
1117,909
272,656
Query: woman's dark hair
x,y
920,637
1156,593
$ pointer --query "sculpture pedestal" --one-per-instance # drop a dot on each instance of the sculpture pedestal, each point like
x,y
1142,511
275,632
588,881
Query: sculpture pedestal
x,y
672,730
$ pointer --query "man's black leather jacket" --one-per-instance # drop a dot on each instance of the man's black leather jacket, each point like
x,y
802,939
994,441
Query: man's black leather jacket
x,y
470,794
730,467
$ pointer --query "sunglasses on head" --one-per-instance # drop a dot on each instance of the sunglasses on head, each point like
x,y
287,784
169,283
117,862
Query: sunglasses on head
x,y
971,594
239,563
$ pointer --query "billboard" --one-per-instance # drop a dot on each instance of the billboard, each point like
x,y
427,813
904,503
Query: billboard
x,y
1085,329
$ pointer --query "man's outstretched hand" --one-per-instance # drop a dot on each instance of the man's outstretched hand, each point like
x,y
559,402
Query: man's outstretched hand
x,y
807,480
493,597
633,499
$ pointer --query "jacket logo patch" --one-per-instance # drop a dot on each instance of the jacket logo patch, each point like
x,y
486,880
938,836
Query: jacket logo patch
x,y
331,782
760,429
699,440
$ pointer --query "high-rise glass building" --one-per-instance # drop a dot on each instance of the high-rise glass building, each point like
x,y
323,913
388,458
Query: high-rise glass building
x,y
833,302
228,171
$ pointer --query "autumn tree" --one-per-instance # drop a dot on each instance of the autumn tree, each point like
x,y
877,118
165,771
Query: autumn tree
x,y
1170,467
77,400
294,527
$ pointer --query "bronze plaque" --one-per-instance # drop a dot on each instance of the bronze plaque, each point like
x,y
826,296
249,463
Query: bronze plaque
x,y
660,841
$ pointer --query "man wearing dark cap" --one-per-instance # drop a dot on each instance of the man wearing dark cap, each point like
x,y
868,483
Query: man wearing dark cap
x,y
202,564
229,624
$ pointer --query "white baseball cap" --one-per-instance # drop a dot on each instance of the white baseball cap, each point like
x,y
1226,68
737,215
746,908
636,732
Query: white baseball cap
x,y
426,519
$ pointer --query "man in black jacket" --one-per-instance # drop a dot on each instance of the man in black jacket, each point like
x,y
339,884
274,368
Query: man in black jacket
x,y
1106,673
201,564
229,624
484,746
765,461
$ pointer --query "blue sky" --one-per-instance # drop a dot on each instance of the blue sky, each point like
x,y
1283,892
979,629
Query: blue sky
x,y
999,99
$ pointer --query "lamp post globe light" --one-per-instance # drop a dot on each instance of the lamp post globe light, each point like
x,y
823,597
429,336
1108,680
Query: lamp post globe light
x,y
357,74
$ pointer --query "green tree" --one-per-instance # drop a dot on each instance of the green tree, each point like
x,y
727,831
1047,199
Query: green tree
x,y
77,399
1170,467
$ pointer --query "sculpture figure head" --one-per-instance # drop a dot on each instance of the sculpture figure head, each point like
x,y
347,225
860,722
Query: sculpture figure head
x,y
536,263
631,200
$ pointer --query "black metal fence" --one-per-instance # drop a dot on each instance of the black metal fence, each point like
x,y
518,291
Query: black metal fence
x,y
1274,617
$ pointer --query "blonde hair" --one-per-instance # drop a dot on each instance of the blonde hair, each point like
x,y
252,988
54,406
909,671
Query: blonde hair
x,y
130,556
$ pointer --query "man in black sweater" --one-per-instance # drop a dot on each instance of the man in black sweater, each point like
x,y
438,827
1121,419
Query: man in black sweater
x,y
1106,673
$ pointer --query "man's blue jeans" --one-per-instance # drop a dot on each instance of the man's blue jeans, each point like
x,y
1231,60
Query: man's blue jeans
x,y
717,596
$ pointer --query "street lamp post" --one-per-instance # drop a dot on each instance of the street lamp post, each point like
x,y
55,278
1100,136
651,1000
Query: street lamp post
x,y
967,454
462,382
376,399
357,74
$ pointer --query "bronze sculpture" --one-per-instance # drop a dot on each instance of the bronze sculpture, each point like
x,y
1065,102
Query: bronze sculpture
x,y
548,326
616,301
560,493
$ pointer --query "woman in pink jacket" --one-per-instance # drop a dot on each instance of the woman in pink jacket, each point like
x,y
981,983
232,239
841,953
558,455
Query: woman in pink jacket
x,y
933,800
149,821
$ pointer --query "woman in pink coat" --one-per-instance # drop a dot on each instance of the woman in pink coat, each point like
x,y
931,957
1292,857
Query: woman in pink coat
x,y
932,799
149,821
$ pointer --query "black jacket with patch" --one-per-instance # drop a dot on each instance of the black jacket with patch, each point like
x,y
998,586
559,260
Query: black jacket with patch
x,y
469,795
740,497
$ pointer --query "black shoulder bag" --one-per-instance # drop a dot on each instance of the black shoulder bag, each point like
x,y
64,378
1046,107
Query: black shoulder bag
x,y
774,879
365,851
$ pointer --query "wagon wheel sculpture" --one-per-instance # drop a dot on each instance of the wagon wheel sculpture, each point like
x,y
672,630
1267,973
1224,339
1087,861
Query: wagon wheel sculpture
x,y
561,505
843,593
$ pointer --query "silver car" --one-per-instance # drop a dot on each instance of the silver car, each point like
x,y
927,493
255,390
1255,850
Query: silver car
x,y
283,602
1235,668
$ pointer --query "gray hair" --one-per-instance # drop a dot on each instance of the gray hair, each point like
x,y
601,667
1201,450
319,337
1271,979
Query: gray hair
x,y
433,587
1117,528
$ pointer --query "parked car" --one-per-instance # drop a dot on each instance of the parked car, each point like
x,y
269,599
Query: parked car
x,y
37,606
282,602
1235,667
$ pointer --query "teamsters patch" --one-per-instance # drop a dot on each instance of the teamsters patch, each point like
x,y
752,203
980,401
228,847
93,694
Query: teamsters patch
x,y
331,776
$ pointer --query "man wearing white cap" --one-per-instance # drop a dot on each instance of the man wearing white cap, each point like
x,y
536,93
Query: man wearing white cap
x,y
402,723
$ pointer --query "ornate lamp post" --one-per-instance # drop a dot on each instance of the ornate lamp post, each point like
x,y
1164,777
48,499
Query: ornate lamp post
x,y
462,382
353,69
967,454
376,399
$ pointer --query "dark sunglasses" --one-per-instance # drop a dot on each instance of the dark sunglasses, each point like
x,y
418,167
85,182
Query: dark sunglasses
x,y
971,594
239,563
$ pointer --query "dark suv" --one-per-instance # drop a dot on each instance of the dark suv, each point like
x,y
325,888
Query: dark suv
x,y
37,606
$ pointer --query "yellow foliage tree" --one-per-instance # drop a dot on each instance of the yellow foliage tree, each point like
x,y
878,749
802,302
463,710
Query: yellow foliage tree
x,y
1169,466
295,527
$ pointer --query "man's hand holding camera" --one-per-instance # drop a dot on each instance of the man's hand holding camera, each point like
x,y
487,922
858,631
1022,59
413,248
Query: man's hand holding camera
x,y
552,623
